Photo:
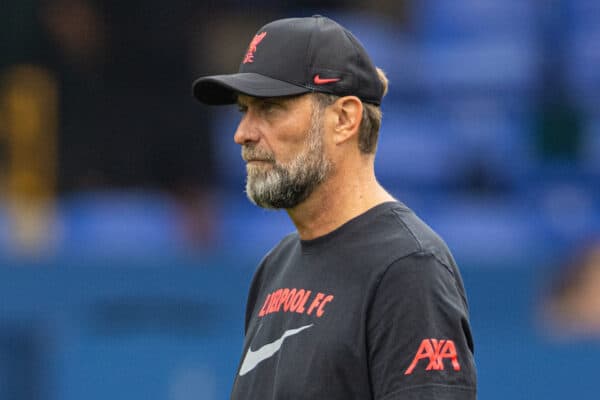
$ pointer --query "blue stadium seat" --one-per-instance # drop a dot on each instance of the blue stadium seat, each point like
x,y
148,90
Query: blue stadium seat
x,y
120,223
568,201
498,66
582,52
253,230
492,137
415,149
488,230
487,45
483,17
590,147
443,145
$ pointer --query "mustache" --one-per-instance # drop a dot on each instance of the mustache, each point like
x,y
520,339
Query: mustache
x,y
251,152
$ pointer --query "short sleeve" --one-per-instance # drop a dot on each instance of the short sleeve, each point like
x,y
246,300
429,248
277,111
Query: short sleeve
x,y
418,334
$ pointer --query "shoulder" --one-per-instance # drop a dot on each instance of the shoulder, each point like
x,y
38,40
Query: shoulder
x,y
396,230
420,261
419,238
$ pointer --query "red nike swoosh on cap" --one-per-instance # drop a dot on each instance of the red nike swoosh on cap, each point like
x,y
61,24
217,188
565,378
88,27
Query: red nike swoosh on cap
x,y
321,81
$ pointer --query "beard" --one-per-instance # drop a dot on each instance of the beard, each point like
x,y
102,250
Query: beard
x,y
283,186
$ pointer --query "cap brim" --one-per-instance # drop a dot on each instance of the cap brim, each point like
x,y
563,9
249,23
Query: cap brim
x,y
223,89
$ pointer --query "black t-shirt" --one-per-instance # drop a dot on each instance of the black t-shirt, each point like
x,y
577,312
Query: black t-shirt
x,y
373,310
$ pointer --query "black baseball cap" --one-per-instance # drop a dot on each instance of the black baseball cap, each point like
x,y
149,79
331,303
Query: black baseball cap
x,y
297,55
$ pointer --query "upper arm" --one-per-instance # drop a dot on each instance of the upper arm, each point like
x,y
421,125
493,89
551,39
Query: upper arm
x,y
418,334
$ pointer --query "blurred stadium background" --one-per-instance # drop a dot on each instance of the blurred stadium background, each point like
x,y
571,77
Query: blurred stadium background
x,y
126,241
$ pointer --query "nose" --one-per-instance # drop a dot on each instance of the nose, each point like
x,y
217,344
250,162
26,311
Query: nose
x,y
246,131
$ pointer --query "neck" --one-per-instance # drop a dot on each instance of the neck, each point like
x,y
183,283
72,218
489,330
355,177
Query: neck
x,y
342,197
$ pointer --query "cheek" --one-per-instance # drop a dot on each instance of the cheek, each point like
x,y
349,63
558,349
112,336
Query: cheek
x,y
294,132
290,141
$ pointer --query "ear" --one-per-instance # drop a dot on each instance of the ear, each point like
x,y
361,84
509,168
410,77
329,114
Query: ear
x,y
348,116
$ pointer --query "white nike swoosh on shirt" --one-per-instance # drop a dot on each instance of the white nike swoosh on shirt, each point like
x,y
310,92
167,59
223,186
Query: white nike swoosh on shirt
x,y
253,358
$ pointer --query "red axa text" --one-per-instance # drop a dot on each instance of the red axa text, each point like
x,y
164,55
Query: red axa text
x,y
435,351
300,301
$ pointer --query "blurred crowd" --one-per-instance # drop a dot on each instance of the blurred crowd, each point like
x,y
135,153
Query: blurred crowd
x,y
487,99
107,86
123,71
491,131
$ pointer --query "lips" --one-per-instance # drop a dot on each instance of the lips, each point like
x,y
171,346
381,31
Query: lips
x,y
253,153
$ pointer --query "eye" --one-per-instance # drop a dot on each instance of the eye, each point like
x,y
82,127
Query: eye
x,y
242,108
268,106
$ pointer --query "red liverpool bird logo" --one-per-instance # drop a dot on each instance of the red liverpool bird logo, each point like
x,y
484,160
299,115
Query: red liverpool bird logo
x,y
249,58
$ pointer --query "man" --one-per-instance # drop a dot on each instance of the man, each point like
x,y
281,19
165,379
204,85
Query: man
x,y
364,301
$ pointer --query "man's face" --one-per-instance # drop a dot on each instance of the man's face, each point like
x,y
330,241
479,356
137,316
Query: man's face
x,y
283,144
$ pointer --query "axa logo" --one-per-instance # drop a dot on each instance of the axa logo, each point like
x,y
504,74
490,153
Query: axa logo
x,y
249,57
435,351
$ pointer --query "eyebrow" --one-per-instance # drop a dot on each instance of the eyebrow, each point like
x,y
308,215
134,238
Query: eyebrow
x,y
249,100
277,99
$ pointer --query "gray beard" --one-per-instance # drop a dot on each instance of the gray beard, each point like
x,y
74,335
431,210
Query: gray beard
x,y
284,186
